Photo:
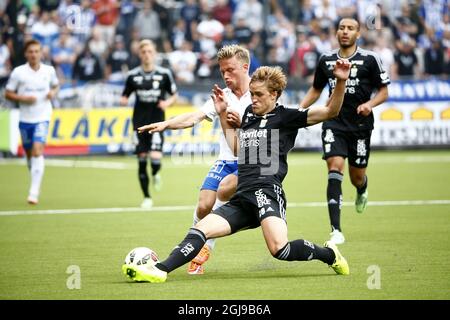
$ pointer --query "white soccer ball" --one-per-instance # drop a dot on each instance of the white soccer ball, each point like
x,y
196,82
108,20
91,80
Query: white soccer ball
x,y
141,256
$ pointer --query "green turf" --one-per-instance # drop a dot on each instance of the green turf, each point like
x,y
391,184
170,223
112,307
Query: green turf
x,y
409,244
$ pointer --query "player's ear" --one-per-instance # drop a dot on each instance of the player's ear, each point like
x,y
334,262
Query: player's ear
x,y
246,66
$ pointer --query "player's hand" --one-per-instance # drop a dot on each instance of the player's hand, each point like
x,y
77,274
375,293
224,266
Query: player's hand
x,y
123,101
342,69
234,119
28,99
218,98
364,109
153,127
51,94
163,104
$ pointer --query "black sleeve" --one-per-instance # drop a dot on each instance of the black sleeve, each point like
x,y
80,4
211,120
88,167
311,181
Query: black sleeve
x,y
295,118
379,76
128,87
171,86
320,77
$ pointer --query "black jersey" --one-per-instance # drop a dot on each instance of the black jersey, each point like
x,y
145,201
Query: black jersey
x,y
264,143
150,88
366,75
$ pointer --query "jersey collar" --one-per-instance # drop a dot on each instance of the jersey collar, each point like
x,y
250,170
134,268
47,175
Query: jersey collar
x,y
352,55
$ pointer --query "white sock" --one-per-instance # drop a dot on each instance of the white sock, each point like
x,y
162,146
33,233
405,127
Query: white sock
x,y
37,172
195,219
212,242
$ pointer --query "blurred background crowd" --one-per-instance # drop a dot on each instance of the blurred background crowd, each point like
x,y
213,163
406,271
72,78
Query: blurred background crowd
x,y
97,40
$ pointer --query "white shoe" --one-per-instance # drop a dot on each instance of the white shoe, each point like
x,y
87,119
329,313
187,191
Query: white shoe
x,y
157,182
337,237
32,199
147,203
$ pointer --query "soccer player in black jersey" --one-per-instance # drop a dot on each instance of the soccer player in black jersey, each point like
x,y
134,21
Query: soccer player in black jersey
x,y
152,85
266,135
348,134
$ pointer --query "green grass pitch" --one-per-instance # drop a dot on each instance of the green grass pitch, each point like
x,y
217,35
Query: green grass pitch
x,y
408,246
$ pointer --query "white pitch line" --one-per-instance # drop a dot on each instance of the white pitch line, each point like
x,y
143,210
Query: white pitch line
x,y
188,208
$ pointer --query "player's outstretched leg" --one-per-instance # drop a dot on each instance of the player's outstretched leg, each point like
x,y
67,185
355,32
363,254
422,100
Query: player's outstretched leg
x,y
196,267
304,250
183,253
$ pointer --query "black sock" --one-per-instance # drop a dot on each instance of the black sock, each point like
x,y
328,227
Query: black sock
x,y
334,197
185,251
156,166
303,250
363,188
143,176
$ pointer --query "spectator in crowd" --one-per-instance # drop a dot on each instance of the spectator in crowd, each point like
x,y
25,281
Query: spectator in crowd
x,y
107,13
117,62
128,12
87,67
406,62
45,30
183,63
147,24
5,65
63,56
434,59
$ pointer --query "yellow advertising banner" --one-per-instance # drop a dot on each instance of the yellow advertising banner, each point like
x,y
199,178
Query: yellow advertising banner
x,y
114,126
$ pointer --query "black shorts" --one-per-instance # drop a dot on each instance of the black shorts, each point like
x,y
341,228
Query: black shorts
x,y
352,144
246,209
149,142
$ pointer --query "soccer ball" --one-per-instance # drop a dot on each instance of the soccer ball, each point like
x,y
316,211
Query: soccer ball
x,y
141,256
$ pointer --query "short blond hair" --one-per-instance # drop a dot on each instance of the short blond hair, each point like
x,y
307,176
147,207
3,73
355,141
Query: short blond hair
x,y
273,77
146,42
234,50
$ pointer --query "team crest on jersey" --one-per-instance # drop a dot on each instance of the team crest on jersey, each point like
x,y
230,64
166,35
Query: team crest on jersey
x,y
138,79
263,123
353,71
155,84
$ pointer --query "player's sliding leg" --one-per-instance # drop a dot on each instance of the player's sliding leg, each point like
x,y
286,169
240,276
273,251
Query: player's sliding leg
x,y
205,205
275,233
211,226
225,191
334,197
147,203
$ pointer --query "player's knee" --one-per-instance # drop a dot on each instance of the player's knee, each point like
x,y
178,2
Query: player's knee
x,y
203,209
226,189
357,180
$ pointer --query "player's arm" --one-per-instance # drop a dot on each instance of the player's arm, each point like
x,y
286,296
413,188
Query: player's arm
x,y
318,114
53,91
379,79
164,104
127,91
221,106
11,88
381,96
313,94
13,96
181,121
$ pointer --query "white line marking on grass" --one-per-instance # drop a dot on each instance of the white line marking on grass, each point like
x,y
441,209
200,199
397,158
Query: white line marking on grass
x,y
179,163
189,208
